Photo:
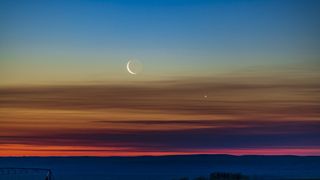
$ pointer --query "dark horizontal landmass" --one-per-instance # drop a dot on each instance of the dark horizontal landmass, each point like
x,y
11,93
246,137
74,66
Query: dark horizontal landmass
x,y
170,167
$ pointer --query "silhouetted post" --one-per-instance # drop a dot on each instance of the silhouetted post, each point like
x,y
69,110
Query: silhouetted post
x,y
49,175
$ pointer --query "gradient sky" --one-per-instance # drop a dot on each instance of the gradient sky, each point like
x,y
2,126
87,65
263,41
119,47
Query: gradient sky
x,y
234,77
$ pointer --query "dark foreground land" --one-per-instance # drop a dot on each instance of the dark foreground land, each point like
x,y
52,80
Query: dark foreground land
x,y
167,167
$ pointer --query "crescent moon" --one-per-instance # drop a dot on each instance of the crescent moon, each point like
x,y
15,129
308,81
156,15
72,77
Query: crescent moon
x,y
128,68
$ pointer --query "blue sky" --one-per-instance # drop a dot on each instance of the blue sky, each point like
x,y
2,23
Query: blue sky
x,y
175,37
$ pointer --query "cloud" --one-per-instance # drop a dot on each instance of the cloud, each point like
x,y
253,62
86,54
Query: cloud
x,y
239,112
217,134
230,96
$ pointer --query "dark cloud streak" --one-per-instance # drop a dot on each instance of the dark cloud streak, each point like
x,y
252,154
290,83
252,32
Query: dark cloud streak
x,y
230,135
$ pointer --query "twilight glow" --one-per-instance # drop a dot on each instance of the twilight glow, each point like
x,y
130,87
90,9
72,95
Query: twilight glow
x,y
219,77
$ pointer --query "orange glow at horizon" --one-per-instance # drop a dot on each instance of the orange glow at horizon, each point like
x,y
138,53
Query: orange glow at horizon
x,y
31,150
27,150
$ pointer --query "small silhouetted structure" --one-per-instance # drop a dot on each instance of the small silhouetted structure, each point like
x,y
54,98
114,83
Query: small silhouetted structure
x,y
201,178
227,176
10,170
183,178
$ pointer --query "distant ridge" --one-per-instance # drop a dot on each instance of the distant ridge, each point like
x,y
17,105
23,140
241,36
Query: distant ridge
x,y
171,166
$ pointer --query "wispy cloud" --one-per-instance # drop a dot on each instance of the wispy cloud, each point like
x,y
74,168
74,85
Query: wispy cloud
x,y
169,116
230,96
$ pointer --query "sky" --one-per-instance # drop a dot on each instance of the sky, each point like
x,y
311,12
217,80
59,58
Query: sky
x,y
218,77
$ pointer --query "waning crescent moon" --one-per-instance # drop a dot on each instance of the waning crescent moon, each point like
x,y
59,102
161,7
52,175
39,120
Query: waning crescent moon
x,y
128,68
